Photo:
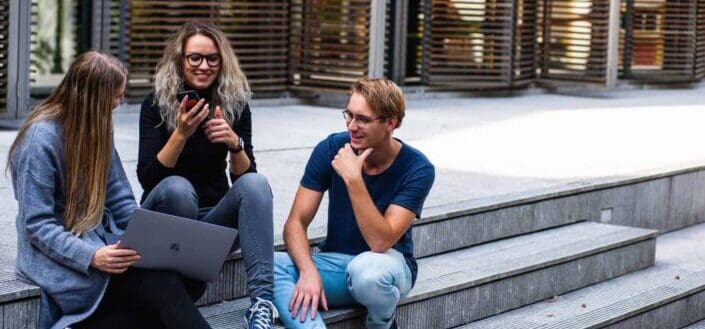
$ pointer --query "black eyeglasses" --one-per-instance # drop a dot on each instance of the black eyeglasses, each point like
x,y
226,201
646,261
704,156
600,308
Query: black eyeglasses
x,y
360,120
195,59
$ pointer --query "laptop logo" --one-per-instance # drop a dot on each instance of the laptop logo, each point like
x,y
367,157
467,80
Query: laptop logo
x,y
175,247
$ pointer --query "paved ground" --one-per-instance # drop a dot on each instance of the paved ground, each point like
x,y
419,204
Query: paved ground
x,y
483,147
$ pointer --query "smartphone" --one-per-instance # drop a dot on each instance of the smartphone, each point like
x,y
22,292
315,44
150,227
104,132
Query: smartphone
x,y
192,97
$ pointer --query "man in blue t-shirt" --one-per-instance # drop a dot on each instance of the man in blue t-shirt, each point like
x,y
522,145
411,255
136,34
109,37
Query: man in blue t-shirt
x,y
376,187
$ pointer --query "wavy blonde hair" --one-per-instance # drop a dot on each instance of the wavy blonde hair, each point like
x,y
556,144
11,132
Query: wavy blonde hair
x,y
232,90
83,104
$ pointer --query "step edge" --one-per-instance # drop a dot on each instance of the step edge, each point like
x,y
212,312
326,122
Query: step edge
x,y
528,269
641,309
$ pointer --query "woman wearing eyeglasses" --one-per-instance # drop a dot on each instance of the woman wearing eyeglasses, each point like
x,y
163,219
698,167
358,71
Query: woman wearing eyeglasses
x,y
185,146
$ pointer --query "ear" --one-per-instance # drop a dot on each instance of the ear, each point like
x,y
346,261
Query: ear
x,y
392,123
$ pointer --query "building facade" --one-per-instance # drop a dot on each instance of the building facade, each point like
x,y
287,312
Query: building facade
x,y
294,47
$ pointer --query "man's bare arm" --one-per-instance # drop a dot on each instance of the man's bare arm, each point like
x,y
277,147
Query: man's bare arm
x,y
380,232
309,289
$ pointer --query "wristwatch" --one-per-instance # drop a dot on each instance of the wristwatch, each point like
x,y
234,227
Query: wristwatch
x,y
239,148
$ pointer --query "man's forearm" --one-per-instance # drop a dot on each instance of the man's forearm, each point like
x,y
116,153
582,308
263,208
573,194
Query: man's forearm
x,y
374,227
298,247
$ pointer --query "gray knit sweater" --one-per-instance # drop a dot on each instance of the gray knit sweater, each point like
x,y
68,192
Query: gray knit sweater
x,y
48,255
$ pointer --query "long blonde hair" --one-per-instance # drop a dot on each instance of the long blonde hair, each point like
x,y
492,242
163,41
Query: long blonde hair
x,y
231,92
83,104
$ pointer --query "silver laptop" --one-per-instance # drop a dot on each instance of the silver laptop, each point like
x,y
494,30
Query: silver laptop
x,y
195,249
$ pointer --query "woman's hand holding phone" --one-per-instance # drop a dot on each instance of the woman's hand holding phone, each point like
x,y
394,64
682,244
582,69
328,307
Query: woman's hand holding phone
x,y
190,118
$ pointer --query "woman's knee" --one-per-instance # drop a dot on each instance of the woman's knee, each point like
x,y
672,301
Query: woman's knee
x,y
253,184
177,186
177,196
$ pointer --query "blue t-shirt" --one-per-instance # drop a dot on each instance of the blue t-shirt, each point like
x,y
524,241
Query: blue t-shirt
x,y
405,183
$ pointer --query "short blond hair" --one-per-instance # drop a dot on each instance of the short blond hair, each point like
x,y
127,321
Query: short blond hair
x,y
383,97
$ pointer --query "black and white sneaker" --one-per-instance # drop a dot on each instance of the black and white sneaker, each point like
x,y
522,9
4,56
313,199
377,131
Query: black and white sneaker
x,y
261,314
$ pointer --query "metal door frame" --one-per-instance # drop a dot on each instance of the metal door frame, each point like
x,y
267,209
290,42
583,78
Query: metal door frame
x,y
18,61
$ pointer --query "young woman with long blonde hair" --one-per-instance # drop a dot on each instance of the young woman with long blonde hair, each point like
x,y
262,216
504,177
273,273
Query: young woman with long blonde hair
x,y
184,150
73,198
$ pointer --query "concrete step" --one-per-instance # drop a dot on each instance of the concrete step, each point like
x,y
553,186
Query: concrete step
x,y
661,297
444,229
499,276
698,325
669,295
19,303
460,225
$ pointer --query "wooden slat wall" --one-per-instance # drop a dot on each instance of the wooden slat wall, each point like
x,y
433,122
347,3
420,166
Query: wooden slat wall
x,y
525,33
414,73
257,30
33,65
469,43
115,27
329,43
573,36
679,39
4,36
388,38
663,40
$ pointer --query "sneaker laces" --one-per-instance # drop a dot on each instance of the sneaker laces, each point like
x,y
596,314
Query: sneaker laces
x,y
262,314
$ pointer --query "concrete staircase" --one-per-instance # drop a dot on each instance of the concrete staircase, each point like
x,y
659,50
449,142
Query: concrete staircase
x,y
659,297
501,264
498,276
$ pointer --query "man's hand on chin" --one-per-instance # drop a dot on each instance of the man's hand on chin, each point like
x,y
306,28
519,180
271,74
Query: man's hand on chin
x,y
347,164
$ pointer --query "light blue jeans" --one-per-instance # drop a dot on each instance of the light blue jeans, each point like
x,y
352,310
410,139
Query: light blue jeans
x,y
374,280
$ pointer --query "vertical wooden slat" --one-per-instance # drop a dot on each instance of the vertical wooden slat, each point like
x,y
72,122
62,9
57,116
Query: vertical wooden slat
x,y
329,45
4,37
416,26
257,31
626,38
33,44
574,41
392,36
116,37
525,32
